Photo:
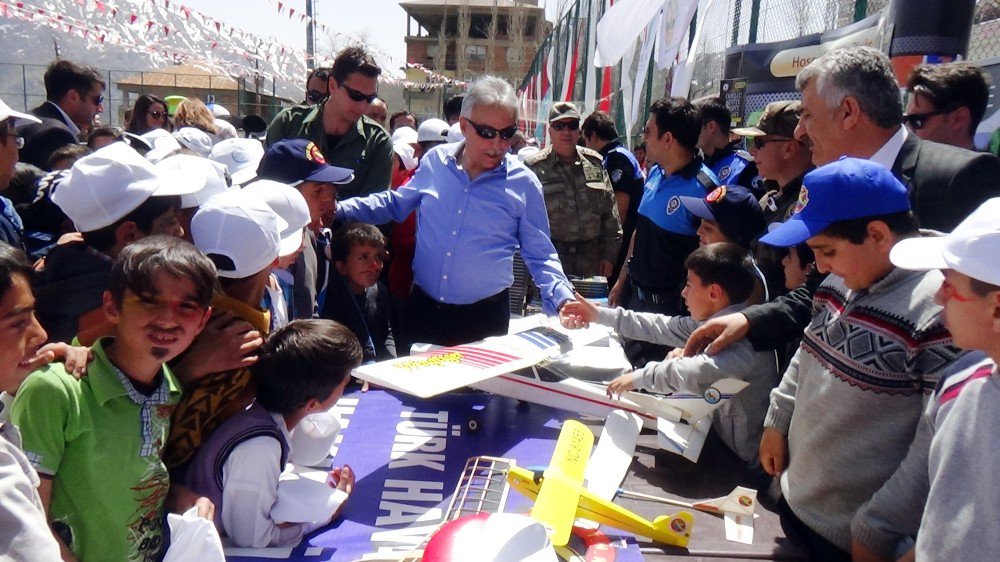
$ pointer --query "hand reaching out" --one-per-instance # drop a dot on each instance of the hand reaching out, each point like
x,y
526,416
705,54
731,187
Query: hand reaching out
x,y
578,314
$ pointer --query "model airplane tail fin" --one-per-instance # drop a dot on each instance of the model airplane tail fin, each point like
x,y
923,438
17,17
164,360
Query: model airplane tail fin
x,y
676,528
741,500
563,480
681,438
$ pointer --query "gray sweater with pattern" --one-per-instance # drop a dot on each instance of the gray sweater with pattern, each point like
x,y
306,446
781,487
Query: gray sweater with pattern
x,y
851,398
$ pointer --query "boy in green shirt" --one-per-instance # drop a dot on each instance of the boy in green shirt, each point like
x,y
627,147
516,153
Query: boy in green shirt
x,y
97,442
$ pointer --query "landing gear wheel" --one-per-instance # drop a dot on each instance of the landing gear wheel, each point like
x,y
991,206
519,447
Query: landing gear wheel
x,y
473,425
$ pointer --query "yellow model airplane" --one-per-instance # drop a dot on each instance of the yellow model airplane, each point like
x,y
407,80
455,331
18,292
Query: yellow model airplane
x,y
560,496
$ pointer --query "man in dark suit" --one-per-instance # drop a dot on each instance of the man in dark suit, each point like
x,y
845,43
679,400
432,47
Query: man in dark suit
x,y
851,107
74,96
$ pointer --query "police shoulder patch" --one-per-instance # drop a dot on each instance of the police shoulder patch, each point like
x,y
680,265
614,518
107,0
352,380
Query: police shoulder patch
x,y
616,175
724,172
673,204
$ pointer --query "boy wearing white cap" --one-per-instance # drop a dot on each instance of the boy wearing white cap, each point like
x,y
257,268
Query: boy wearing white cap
x,y
239,232
291,206
10,223
952,463
114,197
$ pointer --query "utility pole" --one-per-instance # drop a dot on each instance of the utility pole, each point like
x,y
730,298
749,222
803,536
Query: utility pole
x,y
311,35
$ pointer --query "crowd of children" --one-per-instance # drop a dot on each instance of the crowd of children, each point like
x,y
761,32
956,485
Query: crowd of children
x,y
195,304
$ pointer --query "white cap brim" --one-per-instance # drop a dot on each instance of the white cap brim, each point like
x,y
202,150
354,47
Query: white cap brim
x,y
20,118
291,243
919,254
243,176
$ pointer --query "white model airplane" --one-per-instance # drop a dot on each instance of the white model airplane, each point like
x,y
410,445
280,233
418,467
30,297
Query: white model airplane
x,y
509,366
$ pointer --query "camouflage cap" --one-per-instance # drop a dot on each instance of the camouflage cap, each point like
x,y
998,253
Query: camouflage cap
x,y
779,119
563,110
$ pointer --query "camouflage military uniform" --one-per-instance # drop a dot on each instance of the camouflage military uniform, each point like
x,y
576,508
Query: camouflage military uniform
x,y
583,214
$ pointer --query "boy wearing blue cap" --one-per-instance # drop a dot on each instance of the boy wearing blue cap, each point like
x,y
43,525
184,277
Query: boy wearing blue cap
x,y
731,213
952,464
299,163
844,415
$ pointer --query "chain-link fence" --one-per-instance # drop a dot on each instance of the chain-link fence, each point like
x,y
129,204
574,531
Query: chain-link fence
x,y
731,23
22,87
727,23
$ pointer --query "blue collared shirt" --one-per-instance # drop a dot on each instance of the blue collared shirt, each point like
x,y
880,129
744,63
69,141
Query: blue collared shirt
x,y
467,231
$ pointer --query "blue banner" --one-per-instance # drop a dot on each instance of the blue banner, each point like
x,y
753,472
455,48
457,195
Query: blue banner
x,y
408,454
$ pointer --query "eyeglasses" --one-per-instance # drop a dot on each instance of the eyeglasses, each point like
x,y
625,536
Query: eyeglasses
x,y
18,140
565,125
157,114
918,121
487,132
759,142
948,291
155,305
358,96
98,100
316,96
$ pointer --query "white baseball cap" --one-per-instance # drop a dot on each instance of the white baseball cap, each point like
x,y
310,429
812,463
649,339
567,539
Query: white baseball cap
x,y
208,177
434,130
162,144
218,110
455,133
404,134
973,248
240,156
194,139
406,155
20,118
240,226
290,206
108,184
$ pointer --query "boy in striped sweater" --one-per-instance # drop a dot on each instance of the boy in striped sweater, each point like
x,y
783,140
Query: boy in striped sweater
x,y
952,463
845,412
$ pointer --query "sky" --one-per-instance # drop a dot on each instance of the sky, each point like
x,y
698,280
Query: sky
x,y
381,23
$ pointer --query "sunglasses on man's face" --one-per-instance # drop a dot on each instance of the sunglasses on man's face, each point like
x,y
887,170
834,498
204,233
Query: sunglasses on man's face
x,y
565,125
760,142
488,133
98,100
315,96
358,96
918,121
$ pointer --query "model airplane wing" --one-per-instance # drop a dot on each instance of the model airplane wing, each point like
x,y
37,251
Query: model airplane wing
x,y
555,506
440,370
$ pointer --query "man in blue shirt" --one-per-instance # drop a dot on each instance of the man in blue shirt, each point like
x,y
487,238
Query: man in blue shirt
x,y
477,204
665,232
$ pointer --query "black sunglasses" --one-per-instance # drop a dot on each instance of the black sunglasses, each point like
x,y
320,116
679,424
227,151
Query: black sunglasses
x,y
759,142
315,96
565,125
918,121
358,96
157,114
487,132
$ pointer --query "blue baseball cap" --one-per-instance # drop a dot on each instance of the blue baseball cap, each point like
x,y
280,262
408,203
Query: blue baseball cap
x,y
734,208
293,161
850,188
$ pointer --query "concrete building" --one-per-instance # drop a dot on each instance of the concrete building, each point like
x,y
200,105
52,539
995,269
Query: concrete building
x,y
466,38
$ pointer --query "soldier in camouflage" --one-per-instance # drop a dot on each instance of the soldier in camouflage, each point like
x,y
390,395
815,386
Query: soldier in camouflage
x,y
583,214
